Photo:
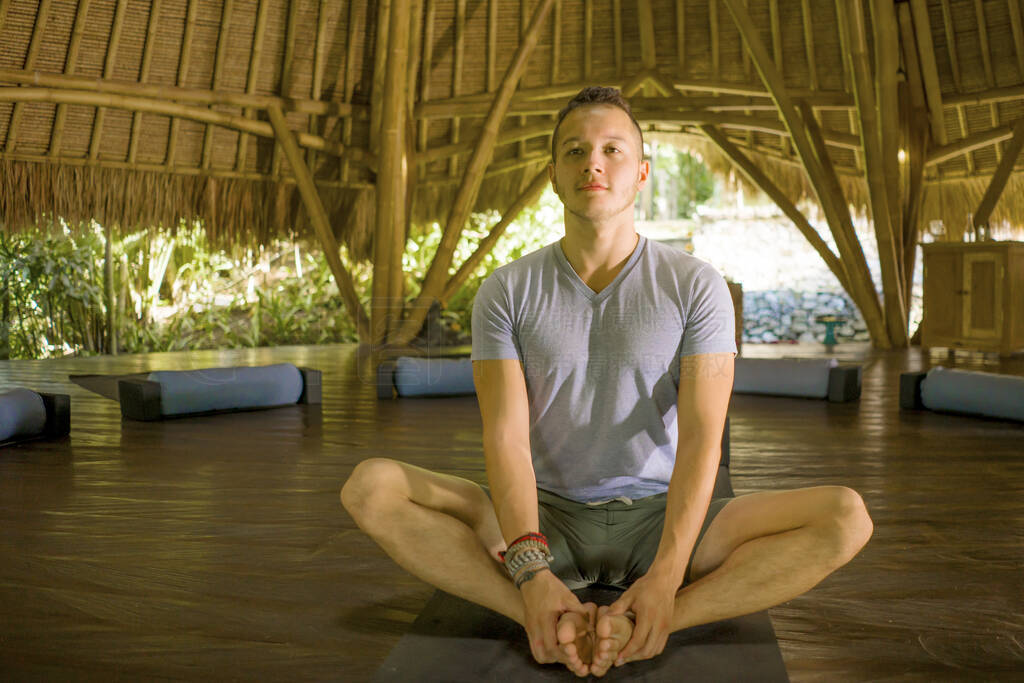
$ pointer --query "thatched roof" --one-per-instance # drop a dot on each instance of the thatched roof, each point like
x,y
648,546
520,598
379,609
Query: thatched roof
x,y
145,113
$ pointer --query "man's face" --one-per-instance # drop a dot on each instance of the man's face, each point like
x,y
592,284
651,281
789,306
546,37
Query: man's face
x,y
598,167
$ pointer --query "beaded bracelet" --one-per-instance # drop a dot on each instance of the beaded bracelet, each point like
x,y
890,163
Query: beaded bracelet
x,y
526,557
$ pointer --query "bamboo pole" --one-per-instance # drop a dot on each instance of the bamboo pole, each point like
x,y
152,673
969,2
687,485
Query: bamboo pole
x,y
648,54
852,23
1017,31
556,40
986,60
757,177
1013,93
182,94
411,164
147,61
969,144
812,62
349,88
108,289
716,70
492,45
152,106
588,39
494,170
526,198
617,35
680,36
428,64
1002,174
70,66
184,61
856,266
42,14
457,61
251,80
524,23
218,70
286,75
437,274
887,66
917,144
321,223
319,65
391,179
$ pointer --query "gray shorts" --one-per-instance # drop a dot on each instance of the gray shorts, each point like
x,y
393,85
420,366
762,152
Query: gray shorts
x,y
613,543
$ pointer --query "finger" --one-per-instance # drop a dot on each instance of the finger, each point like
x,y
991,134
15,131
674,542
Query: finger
x,y
637,642
622,605
549,639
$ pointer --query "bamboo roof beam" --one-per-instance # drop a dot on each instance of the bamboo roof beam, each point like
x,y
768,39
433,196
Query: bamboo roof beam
x,y
1002,174
200,114
507,136
812,62
458,59
556,41
258,37
218,71
716,55
348,87
887,65
321,223
832,204
319,66
70,66
181,94
285,88
648,48
147,60
616,35
969,144
389,236
524,23
758,178
852,23
532,160
86,162
986,60
746,54
588,38
954,67
680,36
437,274
184,62
1017,30
38,31
918,47
527,197
428,62
1011,93
492,45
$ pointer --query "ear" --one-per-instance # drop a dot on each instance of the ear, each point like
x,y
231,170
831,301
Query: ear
x,y
645,172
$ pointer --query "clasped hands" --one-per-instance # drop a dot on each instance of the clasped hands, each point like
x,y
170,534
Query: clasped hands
x,y
590,639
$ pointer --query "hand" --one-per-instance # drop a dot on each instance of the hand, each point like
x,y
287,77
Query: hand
x,y
652,600
546,599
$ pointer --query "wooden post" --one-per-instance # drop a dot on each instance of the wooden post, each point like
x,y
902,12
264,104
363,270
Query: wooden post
x,y
999,178
829,195
321,223
437,274
758,178
852,24
526,198
391,177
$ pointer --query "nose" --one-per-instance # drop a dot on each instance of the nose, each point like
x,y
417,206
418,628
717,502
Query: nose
x,y
594,162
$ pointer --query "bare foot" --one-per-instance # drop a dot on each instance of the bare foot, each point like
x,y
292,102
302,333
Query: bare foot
x,y
613,632
576,639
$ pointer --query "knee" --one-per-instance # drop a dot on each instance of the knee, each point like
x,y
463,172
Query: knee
x,y
368,486
849,522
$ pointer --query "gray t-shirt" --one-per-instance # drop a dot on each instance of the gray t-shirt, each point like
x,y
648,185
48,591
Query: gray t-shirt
x,y
602,369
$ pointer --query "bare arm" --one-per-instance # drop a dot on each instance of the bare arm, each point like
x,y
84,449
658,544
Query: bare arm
x,y
501,391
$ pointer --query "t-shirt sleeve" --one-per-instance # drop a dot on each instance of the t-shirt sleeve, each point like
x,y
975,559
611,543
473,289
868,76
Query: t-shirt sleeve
x,y
710,319
493,332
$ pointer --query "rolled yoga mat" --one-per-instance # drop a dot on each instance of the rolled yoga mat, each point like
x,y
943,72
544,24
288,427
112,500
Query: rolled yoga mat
x,y
964,391
798,377
22,413
457,641
25,414
410,377
173,393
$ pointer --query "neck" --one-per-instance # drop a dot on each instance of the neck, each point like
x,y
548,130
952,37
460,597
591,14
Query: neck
x,y
597,252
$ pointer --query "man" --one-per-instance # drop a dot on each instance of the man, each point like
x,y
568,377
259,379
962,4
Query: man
x,y
604,365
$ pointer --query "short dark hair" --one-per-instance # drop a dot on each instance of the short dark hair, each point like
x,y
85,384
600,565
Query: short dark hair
x,y
596,94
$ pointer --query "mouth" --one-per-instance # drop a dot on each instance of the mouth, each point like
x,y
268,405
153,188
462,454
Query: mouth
x,y
591,187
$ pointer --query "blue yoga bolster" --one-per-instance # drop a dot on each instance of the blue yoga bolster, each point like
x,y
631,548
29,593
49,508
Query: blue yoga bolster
x,y
22,413
806,377
434,376
197,391
983,393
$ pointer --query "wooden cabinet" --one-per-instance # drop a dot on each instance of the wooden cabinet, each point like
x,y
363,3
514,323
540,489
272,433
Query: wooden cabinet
x,y
974,296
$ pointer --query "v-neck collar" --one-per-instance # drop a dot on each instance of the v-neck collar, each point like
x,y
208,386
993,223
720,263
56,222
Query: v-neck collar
x,y
582,286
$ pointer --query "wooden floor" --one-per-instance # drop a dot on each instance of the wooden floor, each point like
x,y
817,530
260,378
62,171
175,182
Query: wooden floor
x,y
215,548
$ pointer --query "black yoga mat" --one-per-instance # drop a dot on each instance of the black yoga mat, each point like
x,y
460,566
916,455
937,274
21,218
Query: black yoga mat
x,y
104,385
453,640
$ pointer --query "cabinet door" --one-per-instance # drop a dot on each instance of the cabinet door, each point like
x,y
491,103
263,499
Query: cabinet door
x,y
941,295
983,301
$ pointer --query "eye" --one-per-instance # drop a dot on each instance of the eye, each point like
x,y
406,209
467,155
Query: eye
x,y
574,150
612,149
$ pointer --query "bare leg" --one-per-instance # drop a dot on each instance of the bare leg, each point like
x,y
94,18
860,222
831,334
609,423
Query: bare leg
x,y
437,527
766,548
